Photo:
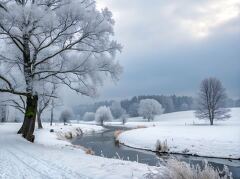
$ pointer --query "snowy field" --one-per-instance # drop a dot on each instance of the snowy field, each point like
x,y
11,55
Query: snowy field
x,y
49,157
186,134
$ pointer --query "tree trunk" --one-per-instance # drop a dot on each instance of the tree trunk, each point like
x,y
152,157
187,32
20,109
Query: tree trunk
x,y
51,120
39,121
28,126
211,122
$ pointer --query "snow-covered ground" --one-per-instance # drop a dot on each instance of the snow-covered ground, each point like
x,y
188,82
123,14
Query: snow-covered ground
x,y
49,157
186,134
45,137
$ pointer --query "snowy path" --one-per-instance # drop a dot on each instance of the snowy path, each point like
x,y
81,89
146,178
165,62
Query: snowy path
x,y
21,159
28,160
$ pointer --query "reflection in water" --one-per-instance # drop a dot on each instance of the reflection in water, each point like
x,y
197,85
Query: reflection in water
x,y
103,144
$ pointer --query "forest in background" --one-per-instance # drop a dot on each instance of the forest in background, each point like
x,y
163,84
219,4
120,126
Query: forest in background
x,y
171,103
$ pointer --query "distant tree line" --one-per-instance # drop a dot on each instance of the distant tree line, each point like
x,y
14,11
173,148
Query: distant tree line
x,y
171,103
130,106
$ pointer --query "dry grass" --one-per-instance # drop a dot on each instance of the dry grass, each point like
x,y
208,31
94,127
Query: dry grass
x,y
117,133
89,151
182,170
141,126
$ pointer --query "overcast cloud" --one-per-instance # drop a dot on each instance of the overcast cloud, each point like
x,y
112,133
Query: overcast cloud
x,y
170,46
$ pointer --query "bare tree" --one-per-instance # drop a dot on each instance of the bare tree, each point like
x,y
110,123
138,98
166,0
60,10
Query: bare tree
x,y
211,101
68,42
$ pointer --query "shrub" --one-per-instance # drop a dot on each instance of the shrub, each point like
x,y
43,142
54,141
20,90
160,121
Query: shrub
x,y
161,147
182,170
89,151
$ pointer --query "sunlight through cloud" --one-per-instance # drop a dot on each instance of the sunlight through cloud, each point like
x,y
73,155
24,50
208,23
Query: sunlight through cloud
x,y
212,15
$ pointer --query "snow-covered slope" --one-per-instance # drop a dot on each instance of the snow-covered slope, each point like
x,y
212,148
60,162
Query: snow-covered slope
x,y
43,159
186,134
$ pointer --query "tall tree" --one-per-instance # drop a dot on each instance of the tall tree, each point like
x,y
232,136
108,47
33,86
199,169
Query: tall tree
x,y
68,42
211,101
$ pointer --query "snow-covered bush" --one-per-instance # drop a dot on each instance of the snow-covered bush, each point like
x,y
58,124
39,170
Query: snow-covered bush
x,y
161,146
89,116
69,134
103,113
148,108
183,170
66,116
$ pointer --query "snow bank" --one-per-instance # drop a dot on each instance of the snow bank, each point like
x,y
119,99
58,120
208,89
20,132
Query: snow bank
x,y
49,158
186,134
61,133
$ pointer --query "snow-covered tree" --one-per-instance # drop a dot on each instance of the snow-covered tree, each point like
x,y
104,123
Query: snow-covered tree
x,y
211,101
55,42
103,114
89,116
66,116
117,110
148,108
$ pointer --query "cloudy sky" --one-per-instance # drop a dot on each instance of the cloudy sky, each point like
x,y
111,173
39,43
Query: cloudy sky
x,y
170,46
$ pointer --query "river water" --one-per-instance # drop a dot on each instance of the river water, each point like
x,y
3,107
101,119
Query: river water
x,y
103,144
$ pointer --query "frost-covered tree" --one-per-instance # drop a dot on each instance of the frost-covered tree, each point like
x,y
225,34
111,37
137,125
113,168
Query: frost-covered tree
x,y
51,41
211,101
103,114
89,116
117,110
66,116
148,108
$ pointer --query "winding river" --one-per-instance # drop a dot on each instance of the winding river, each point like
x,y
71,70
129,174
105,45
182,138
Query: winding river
x,y
103,144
